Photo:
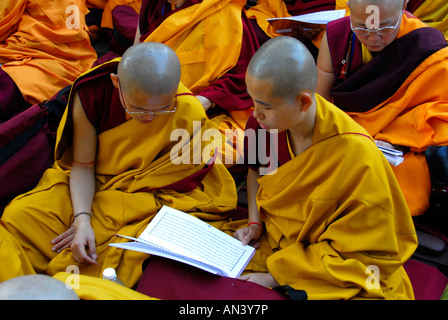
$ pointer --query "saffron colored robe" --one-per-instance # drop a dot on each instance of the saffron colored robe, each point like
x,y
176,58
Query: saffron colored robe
x,y
331,212
433,12
14,260
214,42
43,48
136,175
411,110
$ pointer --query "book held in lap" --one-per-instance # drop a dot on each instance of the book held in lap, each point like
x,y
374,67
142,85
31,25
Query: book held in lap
x,y
176,235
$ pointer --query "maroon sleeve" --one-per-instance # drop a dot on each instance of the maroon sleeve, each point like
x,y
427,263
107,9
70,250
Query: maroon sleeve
x,y
101,103
230,92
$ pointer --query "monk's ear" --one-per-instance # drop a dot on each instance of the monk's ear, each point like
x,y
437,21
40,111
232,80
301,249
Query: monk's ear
x,y
306,100
114,78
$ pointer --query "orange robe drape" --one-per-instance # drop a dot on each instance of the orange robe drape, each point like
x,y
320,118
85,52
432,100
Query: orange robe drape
x,y
42,47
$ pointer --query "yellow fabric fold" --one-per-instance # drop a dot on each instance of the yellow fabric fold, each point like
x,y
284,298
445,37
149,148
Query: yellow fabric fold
x,y
203,55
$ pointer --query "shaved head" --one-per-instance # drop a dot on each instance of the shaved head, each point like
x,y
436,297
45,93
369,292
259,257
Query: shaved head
x,y
392,4
36,287
287,64
149,68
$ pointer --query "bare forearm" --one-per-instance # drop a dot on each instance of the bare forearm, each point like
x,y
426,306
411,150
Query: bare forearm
x,y
82,188
252,190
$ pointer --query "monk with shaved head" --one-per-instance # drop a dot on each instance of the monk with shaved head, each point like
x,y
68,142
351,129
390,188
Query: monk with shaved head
x,y
330,219
114,168
388,70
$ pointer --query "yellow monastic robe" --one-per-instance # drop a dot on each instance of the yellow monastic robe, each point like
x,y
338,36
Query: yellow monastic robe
x,y
435,14
44,45
204,56
13,258
131,157
95,288
333,214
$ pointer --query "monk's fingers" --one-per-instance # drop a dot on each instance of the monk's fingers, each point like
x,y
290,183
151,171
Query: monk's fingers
x,y
63,243
62,236
80,253
240,233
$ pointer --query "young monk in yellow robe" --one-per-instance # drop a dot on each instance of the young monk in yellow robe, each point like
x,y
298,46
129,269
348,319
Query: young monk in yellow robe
x,y
391,81
214,42
44,46
115,169
330,211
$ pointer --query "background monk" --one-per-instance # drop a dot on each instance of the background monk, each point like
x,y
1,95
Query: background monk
x,y
114,168
43,49
392,82
333,207
267,9
214,42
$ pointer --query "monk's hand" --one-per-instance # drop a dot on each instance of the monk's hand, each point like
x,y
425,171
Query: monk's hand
x,y
206,103
64,240
263,279
249,234
83,245
305,32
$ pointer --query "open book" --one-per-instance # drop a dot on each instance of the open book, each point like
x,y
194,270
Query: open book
x,y
307,21
179,236
394,157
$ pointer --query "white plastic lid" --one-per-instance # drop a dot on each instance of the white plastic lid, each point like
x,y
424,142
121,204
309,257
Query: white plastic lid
x,y
109,274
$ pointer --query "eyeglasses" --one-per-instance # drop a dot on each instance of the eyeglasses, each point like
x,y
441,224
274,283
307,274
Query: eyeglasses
x,y
147,113
383,31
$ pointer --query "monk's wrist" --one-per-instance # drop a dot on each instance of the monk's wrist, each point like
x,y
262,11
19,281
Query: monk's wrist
x,y
83,215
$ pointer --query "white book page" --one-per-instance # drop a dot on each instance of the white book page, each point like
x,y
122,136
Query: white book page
x,y
321,17
146,248
186,235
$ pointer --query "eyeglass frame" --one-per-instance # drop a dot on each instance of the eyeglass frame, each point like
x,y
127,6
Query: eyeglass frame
x,y
377,30
146,113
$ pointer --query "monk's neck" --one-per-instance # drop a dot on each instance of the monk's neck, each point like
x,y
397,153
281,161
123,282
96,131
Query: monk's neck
x,y
301,136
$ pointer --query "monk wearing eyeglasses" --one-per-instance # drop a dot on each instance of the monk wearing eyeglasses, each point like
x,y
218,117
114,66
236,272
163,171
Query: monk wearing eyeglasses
x,y
214,42
388,71
114,168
